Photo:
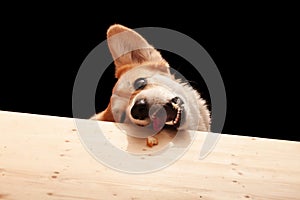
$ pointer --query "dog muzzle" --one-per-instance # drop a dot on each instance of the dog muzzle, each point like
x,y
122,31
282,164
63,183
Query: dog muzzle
x,y
171,113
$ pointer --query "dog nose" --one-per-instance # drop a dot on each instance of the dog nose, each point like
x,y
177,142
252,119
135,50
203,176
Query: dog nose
x,y
140,109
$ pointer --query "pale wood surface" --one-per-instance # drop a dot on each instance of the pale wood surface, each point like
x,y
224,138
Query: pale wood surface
x,y
41,157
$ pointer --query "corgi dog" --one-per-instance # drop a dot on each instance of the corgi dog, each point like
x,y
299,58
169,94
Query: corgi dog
x,y
146,94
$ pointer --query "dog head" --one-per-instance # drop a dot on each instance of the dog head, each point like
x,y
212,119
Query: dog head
x,y
146,94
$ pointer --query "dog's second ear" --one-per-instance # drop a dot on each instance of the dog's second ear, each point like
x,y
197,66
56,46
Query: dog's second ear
x,y
127,47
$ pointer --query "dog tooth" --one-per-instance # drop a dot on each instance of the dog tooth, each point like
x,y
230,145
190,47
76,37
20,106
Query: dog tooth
x,y
176,106
175,121
169,123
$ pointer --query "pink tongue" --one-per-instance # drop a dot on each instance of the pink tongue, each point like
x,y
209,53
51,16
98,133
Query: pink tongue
x,y
159,122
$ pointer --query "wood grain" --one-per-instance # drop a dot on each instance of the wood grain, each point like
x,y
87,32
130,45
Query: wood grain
x,y
42,157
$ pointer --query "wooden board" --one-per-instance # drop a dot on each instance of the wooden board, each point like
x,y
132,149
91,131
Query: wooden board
x,y
42,157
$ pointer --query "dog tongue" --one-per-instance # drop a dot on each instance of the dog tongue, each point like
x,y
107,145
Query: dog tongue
x,y
159,120
158,124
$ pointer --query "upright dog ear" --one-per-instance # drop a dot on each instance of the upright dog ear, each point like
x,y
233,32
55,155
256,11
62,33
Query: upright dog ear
x,y
130,49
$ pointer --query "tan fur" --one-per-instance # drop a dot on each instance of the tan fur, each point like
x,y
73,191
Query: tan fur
x,y
133,57
132,40
105,115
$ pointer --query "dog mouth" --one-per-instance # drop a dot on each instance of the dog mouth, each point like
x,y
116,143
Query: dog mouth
x,y
158,115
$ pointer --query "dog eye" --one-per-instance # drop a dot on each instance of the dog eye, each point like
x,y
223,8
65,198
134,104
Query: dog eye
x,y
140,83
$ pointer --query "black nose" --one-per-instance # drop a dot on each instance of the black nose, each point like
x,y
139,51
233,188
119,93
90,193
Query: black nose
x,y
140,109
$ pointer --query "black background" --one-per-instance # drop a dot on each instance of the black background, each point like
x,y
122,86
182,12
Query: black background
x,y
253,47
